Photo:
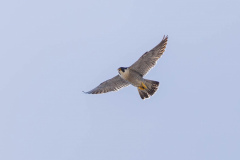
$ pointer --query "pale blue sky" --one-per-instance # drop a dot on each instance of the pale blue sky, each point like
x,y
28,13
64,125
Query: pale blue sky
x,y
53,50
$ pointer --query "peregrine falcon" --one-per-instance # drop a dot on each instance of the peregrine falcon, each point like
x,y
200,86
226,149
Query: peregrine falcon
x,y
134,74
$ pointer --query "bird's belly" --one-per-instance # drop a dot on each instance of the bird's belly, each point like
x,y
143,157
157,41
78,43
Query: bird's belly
x,y
135,80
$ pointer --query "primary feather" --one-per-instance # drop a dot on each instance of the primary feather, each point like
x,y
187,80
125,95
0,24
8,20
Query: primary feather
x,y
149,59
112,84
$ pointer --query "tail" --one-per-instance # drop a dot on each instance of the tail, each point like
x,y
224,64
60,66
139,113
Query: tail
x,y
148,88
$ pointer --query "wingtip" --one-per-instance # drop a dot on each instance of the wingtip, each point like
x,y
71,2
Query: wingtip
x,y
165,37
85,92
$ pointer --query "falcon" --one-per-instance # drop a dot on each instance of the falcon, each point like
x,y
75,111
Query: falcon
x,y
134,74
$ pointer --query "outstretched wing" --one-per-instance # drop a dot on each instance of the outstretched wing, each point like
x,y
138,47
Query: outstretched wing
x,y
149,59
113,84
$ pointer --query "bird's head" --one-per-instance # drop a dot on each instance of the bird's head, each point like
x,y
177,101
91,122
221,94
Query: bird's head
x,y
121,70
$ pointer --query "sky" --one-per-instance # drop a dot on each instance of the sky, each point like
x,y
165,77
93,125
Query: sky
x,y
53,50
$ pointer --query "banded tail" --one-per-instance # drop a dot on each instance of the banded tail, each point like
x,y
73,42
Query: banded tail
x,y
148,88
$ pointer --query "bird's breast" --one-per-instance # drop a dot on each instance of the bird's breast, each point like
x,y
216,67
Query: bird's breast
x,y
132,77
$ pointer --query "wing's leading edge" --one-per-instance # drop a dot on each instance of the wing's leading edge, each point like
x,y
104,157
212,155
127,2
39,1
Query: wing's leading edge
x,y
112,84
149,59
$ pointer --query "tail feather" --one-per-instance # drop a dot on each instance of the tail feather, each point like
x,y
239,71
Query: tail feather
x,y
148,88
152,86
143,94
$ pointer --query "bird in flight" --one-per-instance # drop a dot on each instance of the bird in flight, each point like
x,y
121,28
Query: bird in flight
x,y
134,74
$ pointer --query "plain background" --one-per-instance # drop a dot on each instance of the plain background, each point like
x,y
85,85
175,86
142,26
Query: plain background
x,y
53,50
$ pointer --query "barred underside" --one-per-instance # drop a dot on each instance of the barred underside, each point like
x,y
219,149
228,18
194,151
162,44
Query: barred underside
x,y
113,84
149,59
